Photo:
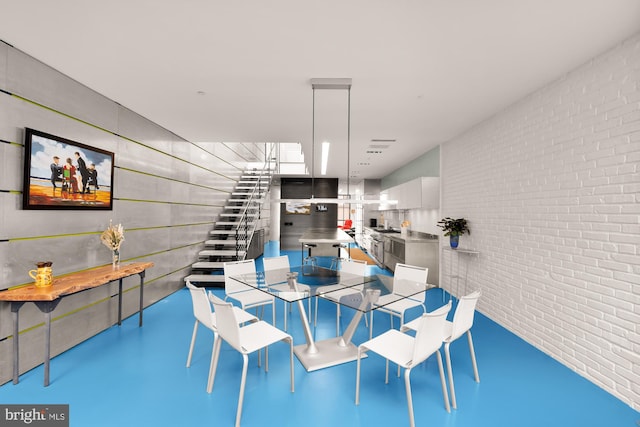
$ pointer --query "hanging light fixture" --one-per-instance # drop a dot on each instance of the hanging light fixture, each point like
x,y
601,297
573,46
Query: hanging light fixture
x,y
332,84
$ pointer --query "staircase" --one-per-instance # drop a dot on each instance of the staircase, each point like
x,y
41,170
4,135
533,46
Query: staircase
x,y
231,236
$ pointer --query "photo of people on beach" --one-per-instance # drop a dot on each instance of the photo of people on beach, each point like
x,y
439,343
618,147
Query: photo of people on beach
x,y
63,174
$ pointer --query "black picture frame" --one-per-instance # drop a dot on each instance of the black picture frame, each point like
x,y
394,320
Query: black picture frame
x,y
69,186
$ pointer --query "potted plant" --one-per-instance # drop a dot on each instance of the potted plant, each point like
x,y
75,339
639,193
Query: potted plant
x,y
454,228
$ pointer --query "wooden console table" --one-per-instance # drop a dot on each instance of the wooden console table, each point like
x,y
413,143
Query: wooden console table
x,y
46,299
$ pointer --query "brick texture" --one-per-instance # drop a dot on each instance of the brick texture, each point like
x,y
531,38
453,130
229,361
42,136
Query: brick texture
x,y
551,189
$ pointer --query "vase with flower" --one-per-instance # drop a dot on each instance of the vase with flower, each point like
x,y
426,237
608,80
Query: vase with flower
x,y
454,228
112,238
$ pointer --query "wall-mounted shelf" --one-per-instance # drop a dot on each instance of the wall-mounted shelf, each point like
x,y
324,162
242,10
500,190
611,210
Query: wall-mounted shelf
x,y
458,270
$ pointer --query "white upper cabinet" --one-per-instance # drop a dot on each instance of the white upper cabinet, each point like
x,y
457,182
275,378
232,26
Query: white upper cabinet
x,y
419,193
430,192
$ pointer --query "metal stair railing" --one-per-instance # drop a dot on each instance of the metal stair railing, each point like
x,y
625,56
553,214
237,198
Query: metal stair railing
x,y
246,227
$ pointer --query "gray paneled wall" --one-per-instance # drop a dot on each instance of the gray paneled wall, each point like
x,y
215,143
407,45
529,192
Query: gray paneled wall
x,y
167,194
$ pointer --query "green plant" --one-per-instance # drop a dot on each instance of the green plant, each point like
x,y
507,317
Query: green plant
x,y
454,227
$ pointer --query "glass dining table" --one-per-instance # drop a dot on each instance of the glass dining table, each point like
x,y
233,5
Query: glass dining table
x,y
321,283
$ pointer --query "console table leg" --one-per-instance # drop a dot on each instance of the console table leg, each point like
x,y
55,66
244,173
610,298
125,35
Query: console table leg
x,y
119,302
141,296
15,306
47,307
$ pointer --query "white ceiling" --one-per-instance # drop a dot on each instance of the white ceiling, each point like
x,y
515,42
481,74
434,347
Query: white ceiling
x,y
423,71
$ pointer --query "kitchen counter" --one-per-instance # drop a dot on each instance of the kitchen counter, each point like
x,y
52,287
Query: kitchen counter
x,y
419,249
412,238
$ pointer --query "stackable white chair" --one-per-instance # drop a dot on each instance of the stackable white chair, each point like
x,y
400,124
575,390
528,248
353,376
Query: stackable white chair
x,y
247,296
275,273
349,269
404,275
408,352
203,315
245,340
461,323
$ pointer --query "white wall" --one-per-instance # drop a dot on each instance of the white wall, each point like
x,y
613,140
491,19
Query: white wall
x,y
551,189
167,194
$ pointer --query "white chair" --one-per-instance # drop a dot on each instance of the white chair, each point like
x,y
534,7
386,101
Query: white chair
x,y
275,276
403,277
247,296
245,340
408,352
203,314
462,322
349,270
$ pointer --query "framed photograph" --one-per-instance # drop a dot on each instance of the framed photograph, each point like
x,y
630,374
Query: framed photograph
x,y
64,174
295,208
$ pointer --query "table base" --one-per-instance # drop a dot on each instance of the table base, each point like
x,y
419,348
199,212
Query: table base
x,y
330,352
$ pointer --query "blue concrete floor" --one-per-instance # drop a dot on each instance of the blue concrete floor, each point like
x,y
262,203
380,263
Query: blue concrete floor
x,y
130,376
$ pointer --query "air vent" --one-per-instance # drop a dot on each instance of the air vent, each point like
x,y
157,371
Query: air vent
x,y
381,144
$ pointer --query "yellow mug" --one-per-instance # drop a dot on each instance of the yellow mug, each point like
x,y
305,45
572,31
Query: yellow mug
x,y
42,277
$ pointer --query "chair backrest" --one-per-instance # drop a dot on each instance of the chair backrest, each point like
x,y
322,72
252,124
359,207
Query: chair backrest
x,y
276,269
353,268
429,334
227,324
463,317
236,268
352,271
406,276
201,305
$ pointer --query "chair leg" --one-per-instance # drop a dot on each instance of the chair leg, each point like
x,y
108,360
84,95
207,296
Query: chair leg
x,y
213,366
473,357
273,312
245,361
447,355
407,386
442,382
291,363
193,343
358,376
386,372
371,325
285,314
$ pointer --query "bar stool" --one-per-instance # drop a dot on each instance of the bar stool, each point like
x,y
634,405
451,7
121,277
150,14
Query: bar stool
x,y
309,259
337,261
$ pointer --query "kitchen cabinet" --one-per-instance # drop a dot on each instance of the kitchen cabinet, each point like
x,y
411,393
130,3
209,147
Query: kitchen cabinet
x,y
419,193
418,252
430,192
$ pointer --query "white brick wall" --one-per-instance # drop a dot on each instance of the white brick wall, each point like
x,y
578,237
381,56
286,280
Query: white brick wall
x,y
551,189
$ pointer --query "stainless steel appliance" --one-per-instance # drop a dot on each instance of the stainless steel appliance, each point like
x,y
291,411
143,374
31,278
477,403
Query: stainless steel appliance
x,y
377,249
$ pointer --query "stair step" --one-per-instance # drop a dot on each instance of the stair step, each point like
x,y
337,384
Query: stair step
x,y
205,278
238,215
207,265
229,242
244,201
225,232
221,252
